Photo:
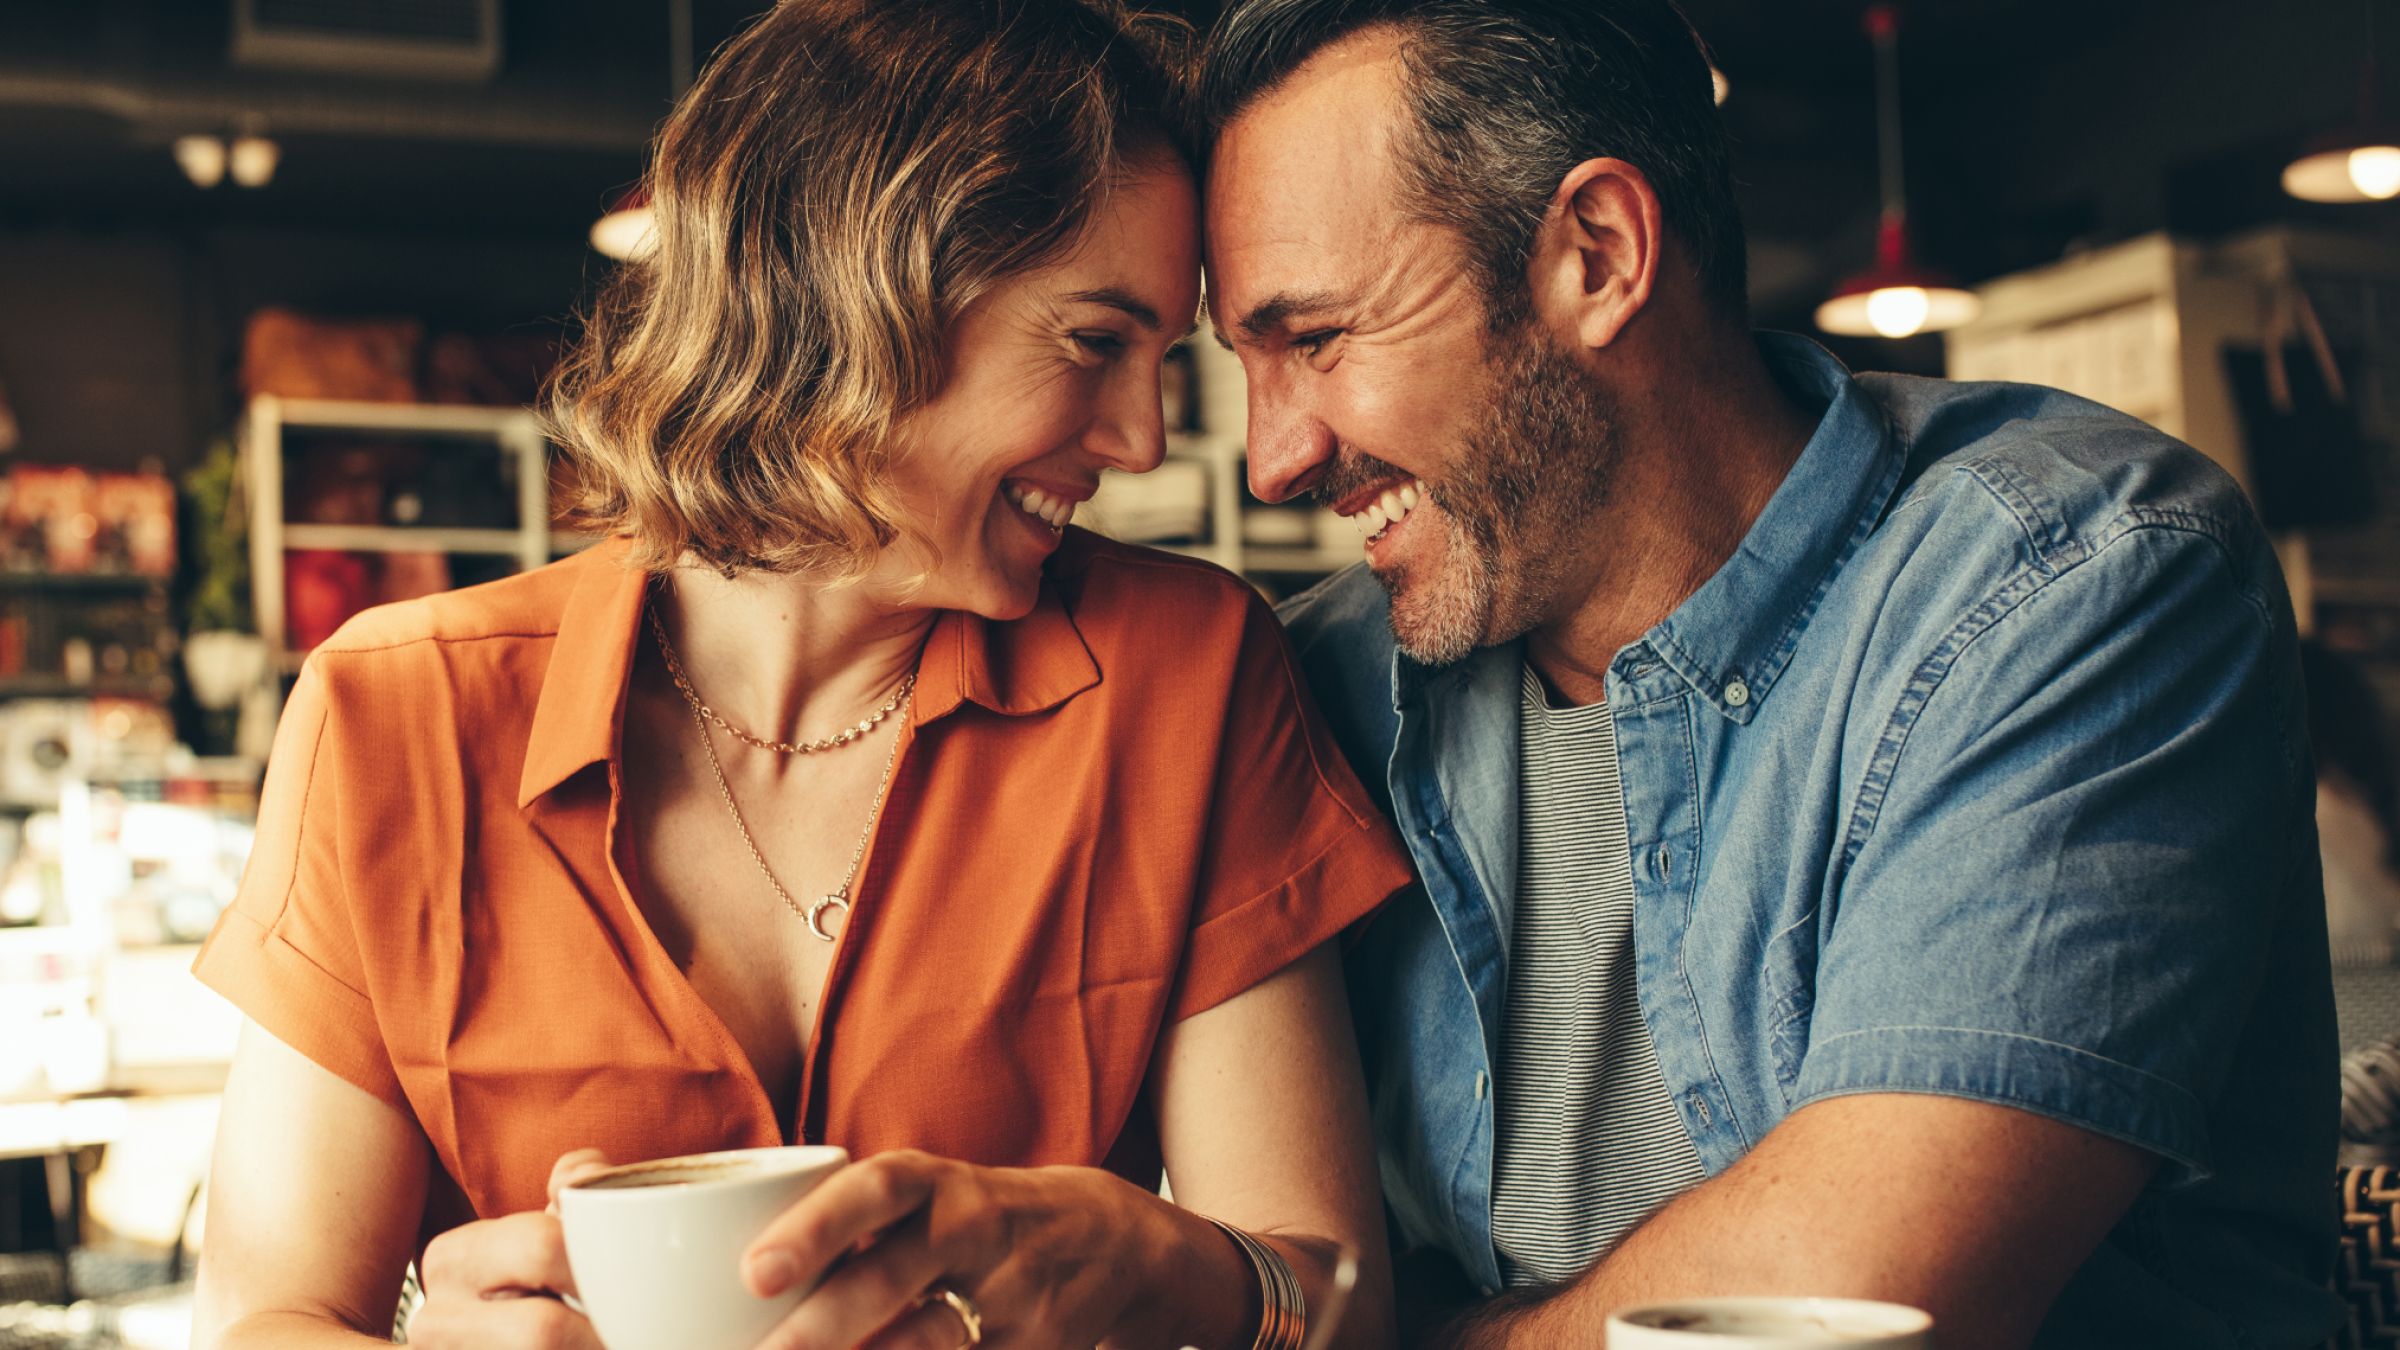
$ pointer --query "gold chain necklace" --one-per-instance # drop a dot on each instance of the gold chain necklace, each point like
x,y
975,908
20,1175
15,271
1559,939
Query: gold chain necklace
x,y
839,896
683,686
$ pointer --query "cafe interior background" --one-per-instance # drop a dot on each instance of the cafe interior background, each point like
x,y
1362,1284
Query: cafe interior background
x,y
279,277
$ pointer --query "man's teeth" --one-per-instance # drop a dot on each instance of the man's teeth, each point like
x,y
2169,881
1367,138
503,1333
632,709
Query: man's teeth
x,y
1389,509
1051,511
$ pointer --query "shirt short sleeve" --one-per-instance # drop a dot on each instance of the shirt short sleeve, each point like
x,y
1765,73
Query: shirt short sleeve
x,y
2092,837
286,952
1295,852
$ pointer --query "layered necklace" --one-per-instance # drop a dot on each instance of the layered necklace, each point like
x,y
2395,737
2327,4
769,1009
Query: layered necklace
x,y
703,716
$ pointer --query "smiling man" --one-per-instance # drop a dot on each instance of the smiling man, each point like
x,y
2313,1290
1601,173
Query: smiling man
x,y
1865,822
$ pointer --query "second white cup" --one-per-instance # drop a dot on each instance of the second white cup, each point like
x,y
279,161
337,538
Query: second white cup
x,y
1770,1324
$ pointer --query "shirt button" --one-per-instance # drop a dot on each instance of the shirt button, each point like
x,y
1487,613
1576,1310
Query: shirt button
x,y
1483,1085
1699,1106
1736,692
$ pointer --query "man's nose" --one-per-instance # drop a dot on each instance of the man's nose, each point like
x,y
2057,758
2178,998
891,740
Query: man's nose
x,y
1289,446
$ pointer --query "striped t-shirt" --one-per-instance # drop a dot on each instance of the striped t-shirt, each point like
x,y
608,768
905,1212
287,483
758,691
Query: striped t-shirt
x,y
1589,1143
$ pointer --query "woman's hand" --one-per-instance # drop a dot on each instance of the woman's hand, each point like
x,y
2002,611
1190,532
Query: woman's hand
x,y
499,1282
1053,1256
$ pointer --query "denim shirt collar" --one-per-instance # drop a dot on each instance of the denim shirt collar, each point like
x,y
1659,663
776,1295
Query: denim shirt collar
x,y
1731,640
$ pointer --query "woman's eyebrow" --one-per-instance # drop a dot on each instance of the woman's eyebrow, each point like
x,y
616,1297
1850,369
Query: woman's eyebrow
x,y
1120,299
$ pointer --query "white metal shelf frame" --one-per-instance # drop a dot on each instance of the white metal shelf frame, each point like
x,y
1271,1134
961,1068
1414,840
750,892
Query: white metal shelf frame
x,y
515,430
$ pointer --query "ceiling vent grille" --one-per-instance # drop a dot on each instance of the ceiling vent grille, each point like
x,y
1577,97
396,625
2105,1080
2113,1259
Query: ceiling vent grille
x,y
402,39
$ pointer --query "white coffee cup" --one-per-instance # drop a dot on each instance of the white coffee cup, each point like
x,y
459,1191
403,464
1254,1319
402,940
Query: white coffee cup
x,y
656,1247
1769,1324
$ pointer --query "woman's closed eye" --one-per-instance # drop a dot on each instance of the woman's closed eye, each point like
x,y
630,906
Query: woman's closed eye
x,y
1099,344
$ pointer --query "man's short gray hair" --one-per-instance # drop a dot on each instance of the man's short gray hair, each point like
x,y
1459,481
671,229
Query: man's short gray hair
x,y
1507,96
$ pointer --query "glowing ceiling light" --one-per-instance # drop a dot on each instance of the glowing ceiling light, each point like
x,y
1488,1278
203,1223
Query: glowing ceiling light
x,y
629,230
202,159
253,160
1898,311
2360,163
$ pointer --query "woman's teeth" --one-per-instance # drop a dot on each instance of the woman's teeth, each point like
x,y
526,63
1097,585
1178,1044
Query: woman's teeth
x,y
1389,509
1049,510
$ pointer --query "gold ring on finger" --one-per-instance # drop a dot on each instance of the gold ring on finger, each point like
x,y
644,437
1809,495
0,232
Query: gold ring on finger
x,y
970,1318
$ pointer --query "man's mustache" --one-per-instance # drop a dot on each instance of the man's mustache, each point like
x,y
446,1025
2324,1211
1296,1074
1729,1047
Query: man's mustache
x,y
1350,471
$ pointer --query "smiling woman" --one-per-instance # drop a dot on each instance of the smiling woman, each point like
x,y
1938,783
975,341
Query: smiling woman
x,y
1051,376
792,314
847,794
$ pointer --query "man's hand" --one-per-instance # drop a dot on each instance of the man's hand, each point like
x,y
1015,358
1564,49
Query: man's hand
x,y
1976,1213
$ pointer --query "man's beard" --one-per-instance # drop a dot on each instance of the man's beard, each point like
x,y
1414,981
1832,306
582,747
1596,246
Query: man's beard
x,y
1516,501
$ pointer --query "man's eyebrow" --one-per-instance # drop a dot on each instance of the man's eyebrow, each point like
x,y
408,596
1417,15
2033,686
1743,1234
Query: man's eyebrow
x,y
1122,300
1277,310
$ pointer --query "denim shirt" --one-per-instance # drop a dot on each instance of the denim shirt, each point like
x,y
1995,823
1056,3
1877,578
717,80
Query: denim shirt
x,y
1978,770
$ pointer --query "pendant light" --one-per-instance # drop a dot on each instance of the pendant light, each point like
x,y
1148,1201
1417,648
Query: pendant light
x,y
629,229
249,157
1895,298
2360,163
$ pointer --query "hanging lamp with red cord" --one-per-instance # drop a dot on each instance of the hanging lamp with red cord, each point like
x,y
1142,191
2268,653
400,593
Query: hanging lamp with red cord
x,y
1897,297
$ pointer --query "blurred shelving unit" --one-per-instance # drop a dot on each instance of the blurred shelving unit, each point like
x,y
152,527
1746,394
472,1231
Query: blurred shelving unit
x,y
34,599
523,476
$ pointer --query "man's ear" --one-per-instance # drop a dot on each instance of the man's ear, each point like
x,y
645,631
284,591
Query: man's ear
x,y
1596,254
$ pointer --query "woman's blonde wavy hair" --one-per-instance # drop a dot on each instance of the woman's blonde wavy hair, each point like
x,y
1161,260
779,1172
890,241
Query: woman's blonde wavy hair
x,y
843,180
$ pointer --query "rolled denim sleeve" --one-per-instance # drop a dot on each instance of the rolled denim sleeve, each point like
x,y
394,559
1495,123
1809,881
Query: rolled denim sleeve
x,y
2071,847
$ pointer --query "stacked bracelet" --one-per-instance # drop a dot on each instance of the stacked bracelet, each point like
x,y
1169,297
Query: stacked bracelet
x,y
1283,1319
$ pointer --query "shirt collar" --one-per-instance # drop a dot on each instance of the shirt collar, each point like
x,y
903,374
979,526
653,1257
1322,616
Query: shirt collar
x,y
576,719
1014,668
1731,640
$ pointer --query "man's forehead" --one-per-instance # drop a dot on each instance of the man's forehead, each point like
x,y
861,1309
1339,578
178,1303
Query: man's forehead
x,y
1330,123
1302,182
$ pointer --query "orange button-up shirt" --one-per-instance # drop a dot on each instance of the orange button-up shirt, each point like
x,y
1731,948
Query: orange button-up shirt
x,y
1112,814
